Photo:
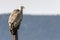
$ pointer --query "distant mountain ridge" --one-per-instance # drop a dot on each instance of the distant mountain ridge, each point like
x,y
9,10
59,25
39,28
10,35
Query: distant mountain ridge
x,y
36,27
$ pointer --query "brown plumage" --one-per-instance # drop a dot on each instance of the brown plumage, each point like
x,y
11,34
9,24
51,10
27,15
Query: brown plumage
x,y
15,19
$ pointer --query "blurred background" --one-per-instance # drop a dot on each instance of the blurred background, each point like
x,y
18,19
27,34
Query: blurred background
x,y
32,7
33,27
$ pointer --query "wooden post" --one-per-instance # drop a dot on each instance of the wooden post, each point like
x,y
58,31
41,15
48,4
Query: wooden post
x,y
15,37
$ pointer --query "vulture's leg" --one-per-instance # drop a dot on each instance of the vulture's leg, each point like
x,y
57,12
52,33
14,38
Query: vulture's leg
x,y
12,29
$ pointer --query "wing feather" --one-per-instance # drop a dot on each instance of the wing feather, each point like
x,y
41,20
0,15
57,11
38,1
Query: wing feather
x,y
15,18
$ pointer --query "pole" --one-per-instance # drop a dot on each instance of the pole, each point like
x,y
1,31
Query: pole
x,y
15,37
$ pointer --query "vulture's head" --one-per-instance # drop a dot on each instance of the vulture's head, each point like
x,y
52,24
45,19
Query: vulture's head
x,y
18,10
22,7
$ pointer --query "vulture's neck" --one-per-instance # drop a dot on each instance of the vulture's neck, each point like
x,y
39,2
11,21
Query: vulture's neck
x,y
21,10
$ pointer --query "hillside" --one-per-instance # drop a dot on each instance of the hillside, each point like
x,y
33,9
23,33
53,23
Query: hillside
x,y
33,28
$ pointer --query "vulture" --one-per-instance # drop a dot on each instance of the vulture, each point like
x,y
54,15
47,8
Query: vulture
x,y
15,19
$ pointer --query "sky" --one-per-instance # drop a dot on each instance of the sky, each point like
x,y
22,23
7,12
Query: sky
x,y
33,7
